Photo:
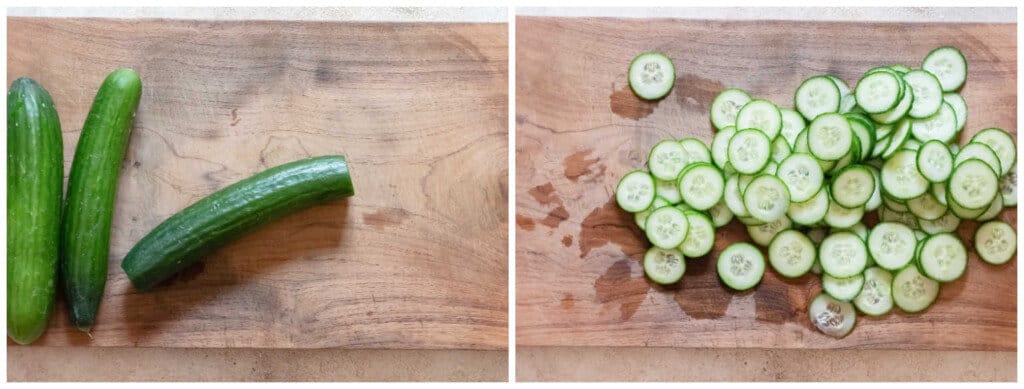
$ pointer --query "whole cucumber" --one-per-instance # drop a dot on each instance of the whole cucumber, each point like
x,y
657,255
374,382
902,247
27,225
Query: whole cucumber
x,y
35,177
185,237
92,186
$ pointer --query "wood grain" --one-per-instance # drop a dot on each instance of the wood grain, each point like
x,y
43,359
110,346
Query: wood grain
x,y
417,259
579,129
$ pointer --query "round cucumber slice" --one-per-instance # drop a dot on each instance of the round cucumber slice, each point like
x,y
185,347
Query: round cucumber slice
x,y
943,257
667,227
740,266
664,266
651,75
1002,144
973,184
948,65
812,211
842,289
927,93
829,136
701,185
875,298
667,159
853,186
720,146
635,191
926,207
764,233
843,255
817,95
832,317
762,115
979,151
878,92
749,151
791,253
720,214
802,175
792,124
726,105
995,242
912,291
947,223
891,245
900,177
701,237
939,126
959,105
935,161
766,198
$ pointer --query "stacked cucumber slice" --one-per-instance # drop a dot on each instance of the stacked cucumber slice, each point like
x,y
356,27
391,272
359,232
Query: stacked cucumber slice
x,y
802,180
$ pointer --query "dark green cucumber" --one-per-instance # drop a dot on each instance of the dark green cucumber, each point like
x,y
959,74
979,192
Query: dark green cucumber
x,y
35,178
92,186
187,236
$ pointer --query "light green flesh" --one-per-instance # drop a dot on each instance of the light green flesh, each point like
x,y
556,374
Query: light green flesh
x,y
740,266
832,317
912,291
664,266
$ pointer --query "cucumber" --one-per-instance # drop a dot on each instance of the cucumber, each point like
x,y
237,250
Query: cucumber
x,y
667,227
891,245
948,65
641,217
700,238
817,95
651,75
1008,187
900,177
829,136
185,237
812,211
995,242
843,254
839,216
35,174
832,317
842,289
792,254
720,146
701,185
981,152
802,175
749,151
959,105
762,115
926,207
792,124
764,233
939,126
1002,144
720,214
875,298
943,257
725,107
635,191
912,291
935,161
766,198
664,266
853,186
947,223
973,185
927,93
740,266
879,91
92,186
667,159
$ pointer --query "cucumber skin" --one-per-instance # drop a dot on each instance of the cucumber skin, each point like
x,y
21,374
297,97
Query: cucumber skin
x,y
92,186
187,236
35,179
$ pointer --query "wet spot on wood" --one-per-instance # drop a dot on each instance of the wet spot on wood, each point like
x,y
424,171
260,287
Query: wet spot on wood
x,y
234,117
545,194
324,73
618,286
777,301
610,224
577,165
567,240
695,91
385,217
555,217
702,295
567,301
524,222
625,104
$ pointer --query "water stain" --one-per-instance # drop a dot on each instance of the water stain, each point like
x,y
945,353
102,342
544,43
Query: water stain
x,y
610,224
545,194
185,275
324,73
567,240
555,217
234,117
524,222
567,301
777,301
625,104
695,91
702,296
385,217
577,165
617,285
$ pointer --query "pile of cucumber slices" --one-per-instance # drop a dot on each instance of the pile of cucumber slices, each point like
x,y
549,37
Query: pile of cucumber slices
x,y
802,180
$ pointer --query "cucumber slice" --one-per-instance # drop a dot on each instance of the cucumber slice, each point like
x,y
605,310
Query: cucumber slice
x,y
740,266
843,254
864,131
973,184
876,196
832,317
995,242
959,105
878,92
720,214
725,107
842,289
635,191
927,93
695,151
701,185
943,257
780,150
993,210
912,291
899,111
791,253
887,215
900,177
651,75
720,146
701,237
792,124
766,198
839,216
900,135
668,190
667,159
847,102
749,151
664,266
853,186
667,227
1008,187
939,126
817,95
947,223
948,65
734,197
762,115
935,161
911,144
875,298
939,191
961,212
829,136
979,151
764,233
926,207
641,217
802,175
812,211
1002,144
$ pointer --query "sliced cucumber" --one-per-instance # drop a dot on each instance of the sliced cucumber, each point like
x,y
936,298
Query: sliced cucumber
x,y
720,214
762,115
979,151
664,266
993,210
740,266
766,198
842,289
635,191
900,177
802,175
943,257
791,253
996,242
1002,144
780,150
1008,187
832,317
812,211
947,223
898,112
701,185
959,105
927,93
839,216
948,65
875,299
912,291
734,197
651,75
864,130
667,227
901,133
878,92
973,184
726,105
667,159
876,197
749,151
853,186
926,207
829,136
843,254
792,124
641,217
939,126
701,237
668,190
935,161
720,146
817,95
764,233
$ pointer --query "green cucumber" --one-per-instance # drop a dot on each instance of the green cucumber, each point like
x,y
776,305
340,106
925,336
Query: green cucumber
x,y
185,237
35,179
92,185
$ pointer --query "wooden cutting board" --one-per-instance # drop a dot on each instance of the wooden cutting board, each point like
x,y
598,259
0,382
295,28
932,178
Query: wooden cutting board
x,y
417,259
578,276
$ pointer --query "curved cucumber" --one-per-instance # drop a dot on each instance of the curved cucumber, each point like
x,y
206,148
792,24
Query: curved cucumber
x,y
184,238
35,179
92,185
